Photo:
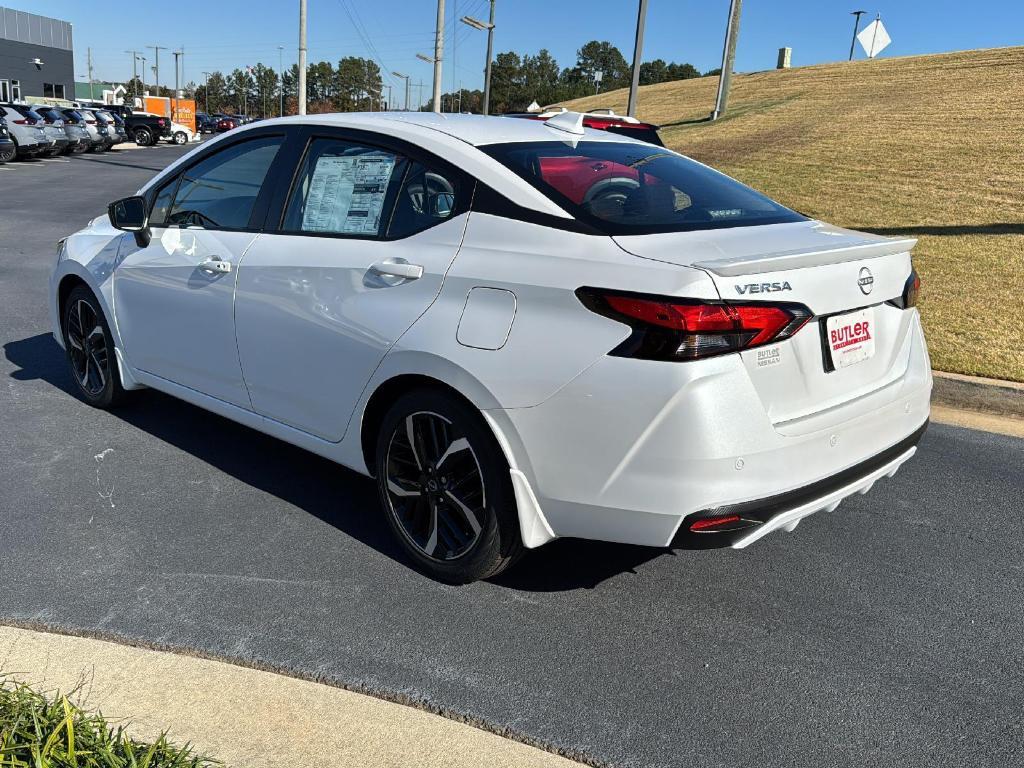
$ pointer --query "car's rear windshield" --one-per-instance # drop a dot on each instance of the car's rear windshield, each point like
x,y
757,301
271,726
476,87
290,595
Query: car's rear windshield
x,y
625,188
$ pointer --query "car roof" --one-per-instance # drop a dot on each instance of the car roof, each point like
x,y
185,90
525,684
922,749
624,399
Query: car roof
x,y
476,130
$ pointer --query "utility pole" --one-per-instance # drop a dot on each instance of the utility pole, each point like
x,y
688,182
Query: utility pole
x,y
302,57
280,75
207,75
389,98
419,95
732,32
88,52
638,49
856,26
143,81
487,69
438,53
156,64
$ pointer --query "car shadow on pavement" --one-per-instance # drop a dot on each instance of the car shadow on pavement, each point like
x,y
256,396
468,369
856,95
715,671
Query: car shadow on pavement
x,y
340,497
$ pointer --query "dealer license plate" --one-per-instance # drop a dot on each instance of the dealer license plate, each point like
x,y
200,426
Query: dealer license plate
x,y
851,337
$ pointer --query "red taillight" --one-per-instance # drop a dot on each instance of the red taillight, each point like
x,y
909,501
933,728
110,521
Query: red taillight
x,y
911,290
709,523
25,122
91,122
666,328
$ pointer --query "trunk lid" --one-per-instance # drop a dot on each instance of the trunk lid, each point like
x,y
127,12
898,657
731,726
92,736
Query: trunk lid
x,y
831,271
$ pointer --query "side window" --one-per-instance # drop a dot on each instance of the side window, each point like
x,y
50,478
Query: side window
x,y
343,188
426,198
220,191
162,204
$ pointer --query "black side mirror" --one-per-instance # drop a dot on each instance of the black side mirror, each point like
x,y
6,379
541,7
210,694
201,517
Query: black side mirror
x,y
130,214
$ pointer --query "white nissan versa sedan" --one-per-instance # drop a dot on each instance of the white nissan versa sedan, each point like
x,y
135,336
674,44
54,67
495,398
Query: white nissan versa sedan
x,y
523,330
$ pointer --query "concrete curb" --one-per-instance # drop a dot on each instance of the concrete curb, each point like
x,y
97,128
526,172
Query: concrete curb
x,y
973,393
248,717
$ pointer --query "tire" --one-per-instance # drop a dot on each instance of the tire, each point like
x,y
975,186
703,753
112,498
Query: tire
x,y
7,154
143,137
80,149
180,137
89,350
453,511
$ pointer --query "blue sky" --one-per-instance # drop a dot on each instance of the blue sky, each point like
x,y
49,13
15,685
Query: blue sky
x,y
224,34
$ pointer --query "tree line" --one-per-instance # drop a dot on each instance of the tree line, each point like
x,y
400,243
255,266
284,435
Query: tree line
x,y
356,84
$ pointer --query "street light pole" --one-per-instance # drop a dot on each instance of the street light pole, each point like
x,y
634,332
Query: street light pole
x,y
156,64
302,57
174,109
207,91
438,53
638,48
280,76
489,26
406,78
856,25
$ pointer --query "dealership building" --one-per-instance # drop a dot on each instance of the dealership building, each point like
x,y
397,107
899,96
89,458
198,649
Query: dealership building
x,y
36,57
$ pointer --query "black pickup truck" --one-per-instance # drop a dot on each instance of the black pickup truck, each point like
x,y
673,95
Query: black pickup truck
x,y
144,130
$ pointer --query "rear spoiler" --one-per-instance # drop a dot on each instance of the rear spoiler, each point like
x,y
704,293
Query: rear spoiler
x,y
805,257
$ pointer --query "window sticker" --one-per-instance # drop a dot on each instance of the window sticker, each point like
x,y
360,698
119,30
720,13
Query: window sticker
x,y
346,193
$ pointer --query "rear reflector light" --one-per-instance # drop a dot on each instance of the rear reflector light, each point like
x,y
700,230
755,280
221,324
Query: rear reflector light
x,y
709,523
667,328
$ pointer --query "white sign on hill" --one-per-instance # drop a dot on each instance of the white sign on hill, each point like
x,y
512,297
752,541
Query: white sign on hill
x,y
873,38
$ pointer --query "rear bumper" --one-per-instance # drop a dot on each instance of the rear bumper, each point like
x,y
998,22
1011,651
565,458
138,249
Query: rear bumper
x,y
762,516
631,449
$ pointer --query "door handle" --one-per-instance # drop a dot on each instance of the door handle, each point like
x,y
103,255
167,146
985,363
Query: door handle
x,y
215,265
397,268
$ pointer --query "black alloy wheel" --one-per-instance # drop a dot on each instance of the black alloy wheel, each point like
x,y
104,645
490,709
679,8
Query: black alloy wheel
x,y
90,350
445,487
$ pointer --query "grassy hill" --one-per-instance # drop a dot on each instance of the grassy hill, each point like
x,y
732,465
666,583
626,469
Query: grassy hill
x,y
925,146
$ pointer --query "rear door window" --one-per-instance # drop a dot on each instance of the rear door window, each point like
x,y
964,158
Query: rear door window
x,y
343,188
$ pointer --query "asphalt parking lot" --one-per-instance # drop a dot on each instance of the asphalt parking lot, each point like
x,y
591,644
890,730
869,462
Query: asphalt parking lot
x,y
887,633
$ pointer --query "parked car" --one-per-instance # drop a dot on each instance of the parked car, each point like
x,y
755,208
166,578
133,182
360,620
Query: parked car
x,y
604,120
119,125
205,123
523,330
76,135
225,124
27,132
8,149
99,134
181,134
113,136
54,130
144,128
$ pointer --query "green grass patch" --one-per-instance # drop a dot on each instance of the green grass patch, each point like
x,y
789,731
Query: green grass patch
x,y
37,731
